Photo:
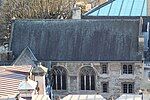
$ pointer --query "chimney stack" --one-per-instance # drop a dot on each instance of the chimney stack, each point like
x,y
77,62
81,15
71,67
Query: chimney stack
x,y
76,13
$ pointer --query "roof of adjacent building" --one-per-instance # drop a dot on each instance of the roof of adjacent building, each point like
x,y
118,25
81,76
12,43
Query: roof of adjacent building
x,y
27,85
10,77
83,97
130,97
40,97
77,40
120,8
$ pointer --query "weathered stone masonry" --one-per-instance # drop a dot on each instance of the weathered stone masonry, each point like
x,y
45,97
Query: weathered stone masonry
x,y
76,44
114,77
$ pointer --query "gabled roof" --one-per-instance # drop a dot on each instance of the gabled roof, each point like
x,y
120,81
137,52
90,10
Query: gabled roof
x,y
26,58
120,8
78,40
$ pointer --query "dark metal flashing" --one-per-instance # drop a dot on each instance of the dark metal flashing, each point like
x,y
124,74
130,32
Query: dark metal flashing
x,y
121,7
131,8
142,7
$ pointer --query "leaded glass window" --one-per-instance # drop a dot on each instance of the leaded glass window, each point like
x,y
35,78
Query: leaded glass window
x,y
128,87
58,78
87,78
127,69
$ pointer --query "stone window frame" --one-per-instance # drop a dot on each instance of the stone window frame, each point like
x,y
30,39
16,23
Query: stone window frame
x,y
107,88
59,70
104,65
128,71
128,88
84,72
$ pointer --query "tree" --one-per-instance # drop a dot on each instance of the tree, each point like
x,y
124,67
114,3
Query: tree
x,y
44,9
33,9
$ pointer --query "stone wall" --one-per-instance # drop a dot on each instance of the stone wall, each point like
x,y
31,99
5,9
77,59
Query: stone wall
x,y
6,56
114,77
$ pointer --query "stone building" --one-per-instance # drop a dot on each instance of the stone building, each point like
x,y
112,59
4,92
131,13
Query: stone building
x,y
108,78
88,56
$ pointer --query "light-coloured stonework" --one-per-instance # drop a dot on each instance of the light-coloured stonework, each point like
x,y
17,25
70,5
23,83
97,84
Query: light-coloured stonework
x,y
114,77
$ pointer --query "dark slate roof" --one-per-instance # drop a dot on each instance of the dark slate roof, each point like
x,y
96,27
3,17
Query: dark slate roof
x,y
26,58
77,40
146,19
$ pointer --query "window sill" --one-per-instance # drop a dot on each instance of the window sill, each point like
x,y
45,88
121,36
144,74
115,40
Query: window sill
x,y
127,76
104,75
87,91
128,93
104,92
60,90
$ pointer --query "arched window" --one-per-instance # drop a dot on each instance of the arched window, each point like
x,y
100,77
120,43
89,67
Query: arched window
x,y
58,77
87,78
